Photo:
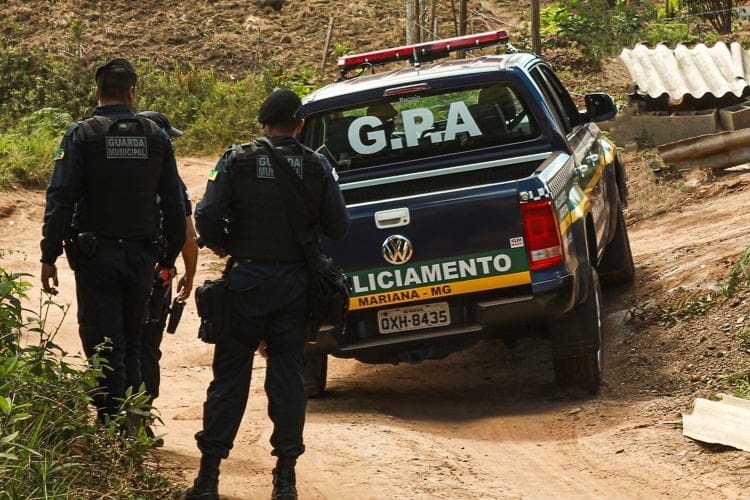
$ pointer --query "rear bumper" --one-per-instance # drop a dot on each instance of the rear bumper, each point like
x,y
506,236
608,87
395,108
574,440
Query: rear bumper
x,y
481,315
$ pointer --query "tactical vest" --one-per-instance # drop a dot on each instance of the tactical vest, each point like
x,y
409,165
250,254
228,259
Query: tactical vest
x,y
122,166
259,227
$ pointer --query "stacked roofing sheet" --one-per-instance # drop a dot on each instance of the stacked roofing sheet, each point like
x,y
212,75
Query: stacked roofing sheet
x,y
696,72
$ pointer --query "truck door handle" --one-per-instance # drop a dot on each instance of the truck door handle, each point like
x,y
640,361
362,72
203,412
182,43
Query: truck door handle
x,y
397,217
590,162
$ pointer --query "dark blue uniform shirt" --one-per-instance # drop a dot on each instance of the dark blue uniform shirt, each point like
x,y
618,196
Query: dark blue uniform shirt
x,y
66,188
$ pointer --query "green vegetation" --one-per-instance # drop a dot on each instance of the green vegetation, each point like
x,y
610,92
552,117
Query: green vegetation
x,y
46,94
740,383
599,28
667,313
27,147
739,274
214,113
50,445
217,110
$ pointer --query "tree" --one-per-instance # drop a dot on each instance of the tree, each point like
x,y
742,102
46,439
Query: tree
x,y
718,13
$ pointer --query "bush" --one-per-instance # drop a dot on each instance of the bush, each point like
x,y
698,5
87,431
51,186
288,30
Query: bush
x,y
50,445
593,27
214,113
46,95
27,148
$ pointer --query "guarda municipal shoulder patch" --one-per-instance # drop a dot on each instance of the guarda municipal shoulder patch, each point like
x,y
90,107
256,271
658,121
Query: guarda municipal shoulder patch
x,y
213,174
59,154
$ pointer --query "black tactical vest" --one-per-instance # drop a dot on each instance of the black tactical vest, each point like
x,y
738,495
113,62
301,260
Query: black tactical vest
x,y
122,165
259,227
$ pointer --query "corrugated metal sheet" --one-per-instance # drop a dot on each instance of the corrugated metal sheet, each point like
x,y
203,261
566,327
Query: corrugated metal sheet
x,y
696,72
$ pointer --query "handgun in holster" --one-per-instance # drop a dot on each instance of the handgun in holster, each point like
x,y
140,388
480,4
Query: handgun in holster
x,y
158,299
71,248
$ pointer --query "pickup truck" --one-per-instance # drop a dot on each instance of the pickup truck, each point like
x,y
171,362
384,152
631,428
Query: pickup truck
x,y
484,203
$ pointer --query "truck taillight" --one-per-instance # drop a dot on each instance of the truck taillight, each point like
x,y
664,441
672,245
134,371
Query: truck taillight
x,y
542,233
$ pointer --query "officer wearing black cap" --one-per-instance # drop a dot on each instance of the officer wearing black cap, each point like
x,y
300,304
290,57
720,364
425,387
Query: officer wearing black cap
x,y
156,320
243,215
108,171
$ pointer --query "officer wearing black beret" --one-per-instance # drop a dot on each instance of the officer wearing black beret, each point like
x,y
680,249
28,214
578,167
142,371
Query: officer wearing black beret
x,y
103,208
243,215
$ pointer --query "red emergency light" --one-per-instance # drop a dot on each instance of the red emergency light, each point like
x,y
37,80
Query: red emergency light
x,y
426,51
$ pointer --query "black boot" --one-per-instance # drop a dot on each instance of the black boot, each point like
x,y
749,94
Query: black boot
x,y
206,485
284,480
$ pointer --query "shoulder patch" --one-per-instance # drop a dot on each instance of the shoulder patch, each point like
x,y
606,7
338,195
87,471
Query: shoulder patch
x,y
213,174
59,154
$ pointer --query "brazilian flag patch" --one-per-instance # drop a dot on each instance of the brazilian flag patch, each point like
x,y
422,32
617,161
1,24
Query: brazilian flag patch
x,y
213,174
59,154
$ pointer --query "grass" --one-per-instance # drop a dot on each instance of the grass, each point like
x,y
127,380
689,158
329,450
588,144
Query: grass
x,y
739,382
668,312
739,273
50,443
46,95
27,148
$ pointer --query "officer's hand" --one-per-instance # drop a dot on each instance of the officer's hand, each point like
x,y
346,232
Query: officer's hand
x,y
49,273
184,287
219,251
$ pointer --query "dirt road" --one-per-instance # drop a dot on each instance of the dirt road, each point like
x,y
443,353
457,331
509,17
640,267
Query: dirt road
x,y
485,423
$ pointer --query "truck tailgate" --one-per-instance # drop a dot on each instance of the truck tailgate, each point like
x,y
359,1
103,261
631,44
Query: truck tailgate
x,y
433,246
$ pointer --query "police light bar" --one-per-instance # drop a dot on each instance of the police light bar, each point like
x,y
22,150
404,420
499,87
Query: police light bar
x,y
426,51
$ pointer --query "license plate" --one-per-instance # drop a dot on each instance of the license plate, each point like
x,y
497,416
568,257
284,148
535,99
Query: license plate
x,y
403,319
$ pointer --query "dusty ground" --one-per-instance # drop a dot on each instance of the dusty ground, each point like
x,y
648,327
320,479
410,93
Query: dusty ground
x,y
485,423
489,423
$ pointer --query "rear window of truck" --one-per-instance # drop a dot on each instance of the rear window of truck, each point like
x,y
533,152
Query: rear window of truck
x,y
408,127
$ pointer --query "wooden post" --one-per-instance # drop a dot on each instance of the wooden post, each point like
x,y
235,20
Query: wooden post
x,y
410,22
433,17
327,46
462,24
455,18
417,19
536,38
462,17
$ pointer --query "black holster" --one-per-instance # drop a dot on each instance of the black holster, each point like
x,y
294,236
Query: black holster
x,y
72,252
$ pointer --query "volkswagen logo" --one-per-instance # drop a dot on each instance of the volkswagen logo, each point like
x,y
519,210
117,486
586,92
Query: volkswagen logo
x,y
397,249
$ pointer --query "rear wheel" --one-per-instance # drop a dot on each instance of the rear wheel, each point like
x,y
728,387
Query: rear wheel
x,y
617,262
316,373
577,341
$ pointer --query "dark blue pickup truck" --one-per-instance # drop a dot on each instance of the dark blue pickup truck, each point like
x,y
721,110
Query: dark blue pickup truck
x,y
483,203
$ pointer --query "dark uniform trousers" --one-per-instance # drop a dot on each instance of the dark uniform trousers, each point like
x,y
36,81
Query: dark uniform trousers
x,y
268,302
112,289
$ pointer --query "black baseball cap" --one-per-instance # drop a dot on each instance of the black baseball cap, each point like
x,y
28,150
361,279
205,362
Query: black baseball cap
x,y
112,64
162,120
282,105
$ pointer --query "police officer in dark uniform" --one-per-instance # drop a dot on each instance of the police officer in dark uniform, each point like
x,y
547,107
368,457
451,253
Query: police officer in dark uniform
x,y
109,170
244,216
161,293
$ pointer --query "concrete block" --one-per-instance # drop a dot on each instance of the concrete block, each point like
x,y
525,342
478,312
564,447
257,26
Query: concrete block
x,y
735,117
684,124
661,127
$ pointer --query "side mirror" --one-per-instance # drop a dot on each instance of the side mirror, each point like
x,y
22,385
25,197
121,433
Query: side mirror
x,y
599,107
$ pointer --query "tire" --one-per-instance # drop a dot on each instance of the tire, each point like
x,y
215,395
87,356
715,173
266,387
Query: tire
x,y
577,341
316,373
617,265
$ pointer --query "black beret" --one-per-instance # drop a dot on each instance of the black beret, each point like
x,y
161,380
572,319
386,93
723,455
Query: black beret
x,y
282,105
115,63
